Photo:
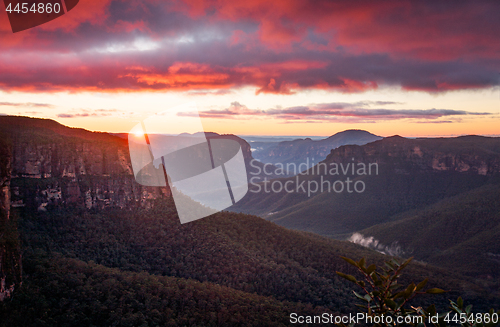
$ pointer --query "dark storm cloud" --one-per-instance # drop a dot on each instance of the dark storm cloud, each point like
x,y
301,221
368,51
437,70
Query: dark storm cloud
x,y
275,47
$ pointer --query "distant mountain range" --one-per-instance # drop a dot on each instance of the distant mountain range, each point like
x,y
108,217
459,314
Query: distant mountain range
x,y
308,152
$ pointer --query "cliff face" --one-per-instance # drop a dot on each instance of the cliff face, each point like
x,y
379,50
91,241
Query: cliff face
x,y
54,165
5,163
76,172
44,165
468,154
10,257
397,175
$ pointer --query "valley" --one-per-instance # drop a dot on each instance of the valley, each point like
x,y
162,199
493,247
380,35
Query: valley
x,y
84,224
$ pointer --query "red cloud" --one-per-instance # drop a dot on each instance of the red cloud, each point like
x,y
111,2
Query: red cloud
x,y
326,112
279,46
420,29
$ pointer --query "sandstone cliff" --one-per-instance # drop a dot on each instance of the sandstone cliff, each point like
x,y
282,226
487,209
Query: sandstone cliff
x,y
53,165
10,257
467,154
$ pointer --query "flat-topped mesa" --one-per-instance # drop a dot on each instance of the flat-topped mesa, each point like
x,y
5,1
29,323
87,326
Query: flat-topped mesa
x,y
472,154
56,165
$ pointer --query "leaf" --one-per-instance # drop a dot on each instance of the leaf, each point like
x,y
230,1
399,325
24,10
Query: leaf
x,y
468,309
454,307
406,263
435,291
460,302
361,263
394,263
422,284
391,304
409,290
400,294
370,269
352,262
431,309
361,297
348,277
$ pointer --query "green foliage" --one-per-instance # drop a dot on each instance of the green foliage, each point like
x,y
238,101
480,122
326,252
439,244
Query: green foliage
x,y
383,294
68,292
460,233
385,297
467,318
239,251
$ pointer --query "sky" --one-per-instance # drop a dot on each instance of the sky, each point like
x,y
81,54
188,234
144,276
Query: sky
x,y
255,67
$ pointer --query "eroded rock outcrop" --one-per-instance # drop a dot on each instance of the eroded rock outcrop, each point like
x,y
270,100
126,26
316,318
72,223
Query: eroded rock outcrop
x,y
467,154
77,173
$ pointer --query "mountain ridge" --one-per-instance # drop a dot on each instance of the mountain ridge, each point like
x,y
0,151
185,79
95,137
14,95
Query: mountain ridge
x,y
413,173
55,165
308,151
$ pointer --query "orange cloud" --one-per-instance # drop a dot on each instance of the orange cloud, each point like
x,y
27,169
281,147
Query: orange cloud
x,y
282,46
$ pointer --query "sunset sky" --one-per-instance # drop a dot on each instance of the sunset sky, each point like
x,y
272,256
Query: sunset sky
x,y
260,67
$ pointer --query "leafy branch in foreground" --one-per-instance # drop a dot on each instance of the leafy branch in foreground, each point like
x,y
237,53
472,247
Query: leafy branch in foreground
x,y
384,297
383,294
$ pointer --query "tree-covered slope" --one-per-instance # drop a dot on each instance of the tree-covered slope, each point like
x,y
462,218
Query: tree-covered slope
x,y
239,251
68,292
461,232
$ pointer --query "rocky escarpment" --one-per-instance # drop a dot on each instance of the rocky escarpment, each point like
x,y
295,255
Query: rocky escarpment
x,y
467,154
395,175
54,165
76,172
10,257
44,165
